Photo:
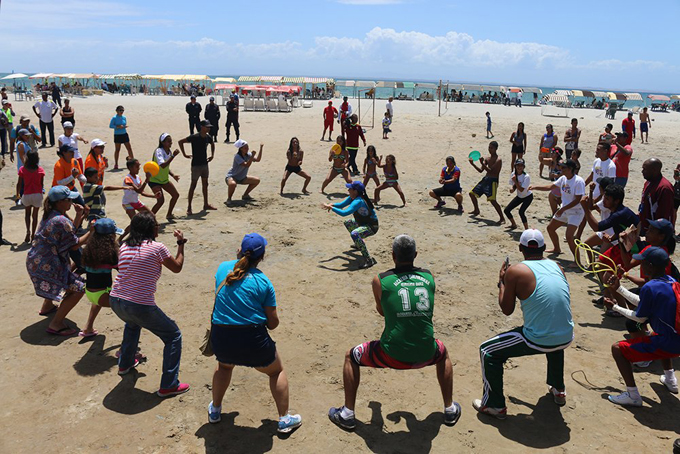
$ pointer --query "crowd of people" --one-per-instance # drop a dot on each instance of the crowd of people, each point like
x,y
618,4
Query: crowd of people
x,y
75,248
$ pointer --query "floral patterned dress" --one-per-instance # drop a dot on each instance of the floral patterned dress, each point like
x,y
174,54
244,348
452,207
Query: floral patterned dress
x,y
48,262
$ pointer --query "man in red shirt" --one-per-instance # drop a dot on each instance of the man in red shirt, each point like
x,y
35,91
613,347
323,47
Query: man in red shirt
x,y
657,195
330,113
628,126
353,132
621,153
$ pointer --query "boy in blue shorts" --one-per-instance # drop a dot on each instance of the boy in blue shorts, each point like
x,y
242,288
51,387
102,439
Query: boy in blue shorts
x,y
657,305
387,121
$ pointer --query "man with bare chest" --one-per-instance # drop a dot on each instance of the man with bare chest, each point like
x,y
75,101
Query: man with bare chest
x,y
489,184
645,124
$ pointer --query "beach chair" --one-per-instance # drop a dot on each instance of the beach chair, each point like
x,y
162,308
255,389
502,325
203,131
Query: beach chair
x,y
306,104
259,104
249,104
272,106
296,101
283,106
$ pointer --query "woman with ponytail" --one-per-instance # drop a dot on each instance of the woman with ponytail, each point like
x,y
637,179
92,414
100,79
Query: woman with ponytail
x,y
245,308
365,222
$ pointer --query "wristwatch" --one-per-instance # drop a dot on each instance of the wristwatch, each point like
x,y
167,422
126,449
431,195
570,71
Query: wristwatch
x,y
182,241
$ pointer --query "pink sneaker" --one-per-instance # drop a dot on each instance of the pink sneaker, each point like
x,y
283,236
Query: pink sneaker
x,y
179,389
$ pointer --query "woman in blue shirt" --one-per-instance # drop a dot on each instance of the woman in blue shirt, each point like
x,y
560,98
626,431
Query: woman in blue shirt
x,y
365,222
245,307
120,136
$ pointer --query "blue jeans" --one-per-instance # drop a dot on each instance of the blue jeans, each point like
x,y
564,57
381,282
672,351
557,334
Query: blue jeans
x,y
138,316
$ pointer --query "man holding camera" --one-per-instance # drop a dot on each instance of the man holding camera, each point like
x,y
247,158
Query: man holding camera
x,y
548,329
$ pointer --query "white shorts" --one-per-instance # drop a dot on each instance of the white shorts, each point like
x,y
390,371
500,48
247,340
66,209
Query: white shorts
x,y
573,216
32,200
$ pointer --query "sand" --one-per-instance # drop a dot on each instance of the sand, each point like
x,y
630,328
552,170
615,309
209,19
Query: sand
x,y
63,395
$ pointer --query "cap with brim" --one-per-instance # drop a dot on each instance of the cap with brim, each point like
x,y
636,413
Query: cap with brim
x,y
662,225
106,226
653,255
24,118
530,236
23,132
58,193
255,244
97,143
519,162
205,124
212,98
66,148
193,96
356,185
604,182
4,101
67,125
240,143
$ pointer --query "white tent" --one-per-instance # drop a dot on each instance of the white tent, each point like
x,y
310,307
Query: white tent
x,y
15,76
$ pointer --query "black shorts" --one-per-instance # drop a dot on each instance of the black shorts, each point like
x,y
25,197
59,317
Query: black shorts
x,y
517,149
293,169
121,138
153,184
447,192
243,345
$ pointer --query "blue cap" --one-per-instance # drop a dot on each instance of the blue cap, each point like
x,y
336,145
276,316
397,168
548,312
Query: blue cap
x,y
663,225
58,193
66,148
253,243
356,185
106,226
653,255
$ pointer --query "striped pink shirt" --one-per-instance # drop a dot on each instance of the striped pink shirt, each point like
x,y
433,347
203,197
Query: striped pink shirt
x,y
139,269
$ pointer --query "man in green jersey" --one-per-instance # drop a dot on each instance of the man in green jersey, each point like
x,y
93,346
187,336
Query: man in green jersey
x,y
404,295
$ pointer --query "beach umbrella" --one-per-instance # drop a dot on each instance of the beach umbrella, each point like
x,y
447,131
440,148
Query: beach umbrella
x,y
531,90
587,94
15,76
633,96
616,96
675,97
41,76
225,80
600,94
659,98
467,87
564,92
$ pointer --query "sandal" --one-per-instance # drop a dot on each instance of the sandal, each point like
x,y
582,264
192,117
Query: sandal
x,y
65,331
54,309
86,334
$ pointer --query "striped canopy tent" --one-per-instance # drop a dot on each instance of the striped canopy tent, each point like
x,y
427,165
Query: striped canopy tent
x,y
468,87
152,76
600,94
491,88
41,76
536,90
515,90
364,83
426,86
564,93
272,79
15,76
194,77
317,80
616,96
224,80
345,83
404,86
659,98
384,84
583,93
122,76
556,98
633,96
293,80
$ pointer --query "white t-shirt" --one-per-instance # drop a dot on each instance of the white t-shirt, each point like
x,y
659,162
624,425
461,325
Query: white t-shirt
x,y
525,182
131,196
45,108
602,169
161,156
389,108
570,189
604,214
72,141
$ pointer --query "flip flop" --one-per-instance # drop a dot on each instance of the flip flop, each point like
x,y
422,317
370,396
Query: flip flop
x,y
66,331
86,335
54,309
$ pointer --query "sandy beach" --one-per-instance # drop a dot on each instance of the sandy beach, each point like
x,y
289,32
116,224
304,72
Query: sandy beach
x,y
64,395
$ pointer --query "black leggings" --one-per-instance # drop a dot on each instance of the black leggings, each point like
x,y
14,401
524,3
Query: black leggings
x,y
525,202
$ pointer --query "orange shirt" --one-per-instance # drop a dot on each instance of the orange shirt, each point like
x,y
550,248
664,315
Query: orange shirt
x,y
100,165
62,170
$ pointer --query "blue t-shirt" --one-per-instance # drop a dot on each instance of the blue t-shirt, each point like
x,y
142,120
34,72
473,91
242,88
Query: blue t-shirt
x,y
118,121
455,186
619,220
362,213
242,302
659,305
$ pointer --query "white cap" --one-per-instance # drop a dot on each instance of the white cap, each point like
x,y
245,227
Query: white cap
x,y
240,143
97,143
532,235
67,124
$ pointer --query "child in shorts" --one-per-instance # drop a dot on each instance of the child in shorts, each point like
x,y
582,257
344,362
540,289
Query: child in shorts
x,y
391,179
131,201
371,166
31,178
100,257
386,122
489,134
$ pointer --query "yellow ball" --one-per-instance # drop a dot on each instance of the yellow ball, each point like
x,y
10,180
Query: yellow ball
x,y
152,168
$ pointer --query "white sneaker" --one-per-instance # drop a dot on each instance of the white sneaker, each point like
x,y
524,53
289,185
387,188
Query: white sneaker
x,y
625,399
671,385
642,364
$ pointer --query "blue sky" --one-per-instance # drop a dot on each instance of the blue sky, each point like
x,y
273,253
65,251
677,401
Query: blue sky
x,y
574,44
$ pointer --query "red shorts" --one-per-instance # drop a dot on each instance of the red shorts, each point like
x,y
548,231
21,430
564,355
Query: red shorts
x,y
614,253
134,206
328,124
371,354
645,348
